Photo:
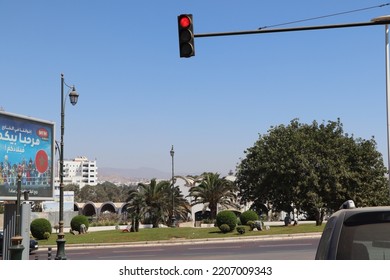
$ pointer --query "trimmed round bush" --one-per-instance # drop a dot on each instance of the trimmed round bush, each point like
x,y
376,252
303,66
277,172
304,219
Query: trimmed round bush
x,y
77,221
226,217
247,216
224,228
39,227
241,230
46,235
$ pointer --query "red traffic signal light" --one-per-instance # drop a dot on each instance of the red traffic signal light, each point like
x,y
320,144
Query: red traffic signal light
x,y
184,21
186,35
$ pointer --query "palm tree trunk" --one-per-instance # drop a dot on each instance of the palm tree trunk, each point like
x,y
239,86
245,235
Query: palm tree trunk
x,y
213,211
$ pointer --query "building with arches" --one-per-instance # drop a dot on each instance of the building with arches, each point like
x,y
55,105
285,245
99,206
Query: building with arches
x,y
91,208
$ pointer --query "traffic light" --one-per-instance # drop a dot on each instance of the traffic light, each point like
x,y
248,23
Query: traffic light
x,y
186,35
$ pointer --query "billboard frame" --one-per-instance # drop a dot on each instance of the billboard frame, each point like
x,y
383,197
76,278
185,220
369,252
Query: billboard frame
x,y
27,146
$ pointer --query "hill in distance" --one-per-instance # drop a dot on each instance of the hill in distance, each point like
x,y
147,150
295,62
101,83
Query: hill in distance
x,y
131,174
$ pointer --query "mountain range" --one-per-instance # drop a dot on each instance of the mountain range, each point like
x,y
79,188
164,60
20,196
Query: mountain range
x,y
127,174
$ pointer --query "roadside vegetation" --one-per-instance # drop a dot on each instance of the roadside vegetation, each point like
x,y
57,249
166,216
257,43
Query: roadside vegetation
x,y
164,234
293,170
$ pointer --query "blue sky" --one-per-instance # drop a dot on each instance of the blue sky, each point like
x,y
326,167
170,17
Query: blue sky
x,y
137,97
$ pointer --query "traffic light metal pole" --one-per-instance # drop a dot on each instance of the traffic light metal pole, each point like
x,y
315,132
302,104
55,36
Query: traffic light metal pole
x,y
301,28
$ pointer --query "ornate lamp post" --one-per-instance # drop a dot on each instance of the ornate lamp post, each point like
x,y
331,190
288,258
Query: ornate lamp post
x,y
172,152
73,96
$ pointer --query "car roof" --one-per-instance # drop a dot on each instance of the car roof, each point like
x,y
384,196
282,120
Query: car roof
x,y
352,211
363,215
348,218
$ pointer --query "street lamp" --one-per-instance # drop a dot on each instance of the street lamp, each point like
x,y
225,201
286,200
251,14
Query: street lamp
x,y
73,96
386,20
172,152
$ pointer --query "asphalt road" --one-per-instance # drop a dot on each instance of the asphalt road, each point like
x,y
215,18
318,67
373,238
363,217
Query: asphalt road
x,y
290,248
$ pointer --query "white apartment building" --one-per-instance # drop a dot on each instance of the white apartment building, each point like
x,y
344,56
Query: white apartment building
x,y
79,171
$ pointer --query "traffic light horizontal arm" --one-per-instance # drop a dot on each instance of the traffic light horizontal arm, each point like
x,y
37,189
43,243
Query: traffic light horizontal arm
x,y
302,28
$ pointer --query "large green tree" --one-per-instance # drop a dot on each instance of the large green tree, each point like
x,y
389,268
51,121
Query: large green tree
x,y
212,190
313,167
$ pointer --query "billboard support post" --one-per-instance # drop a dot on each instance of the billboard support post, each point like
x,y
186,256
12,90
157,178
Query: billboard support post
x,y
16,249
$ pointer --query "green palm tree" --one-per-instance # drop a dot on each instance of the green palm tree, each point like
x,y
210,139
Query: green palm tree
x,y
157,201
136,208
212,191
156,197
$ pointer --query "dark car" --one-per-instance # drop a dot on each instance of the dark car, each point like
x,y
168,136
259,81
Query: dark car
x,y
33,244
356,234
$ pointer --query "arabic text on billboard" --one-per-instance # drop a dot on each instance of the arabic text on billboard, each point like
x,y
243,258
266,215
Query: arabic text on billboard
x,y
26,147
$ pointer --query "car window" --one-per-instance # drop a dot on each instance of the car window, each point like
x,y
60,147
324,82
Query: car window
x,y
365,236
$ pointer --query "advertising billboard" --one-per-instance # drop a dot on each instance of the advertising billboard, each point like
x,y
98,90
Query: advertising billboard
x,y
26,148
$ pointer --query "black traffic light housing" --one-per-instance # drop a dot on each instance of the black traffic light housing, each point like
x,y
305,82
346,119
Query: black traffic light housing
x,y
186,35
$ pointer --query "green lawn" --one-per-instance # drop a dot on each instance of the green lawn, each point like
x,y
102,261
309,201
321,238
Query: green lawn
x,y
156,234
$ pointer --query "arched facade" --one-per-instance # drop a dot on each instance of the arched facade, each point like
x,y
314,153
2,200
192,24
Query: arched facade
x,y
91,208
107,207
